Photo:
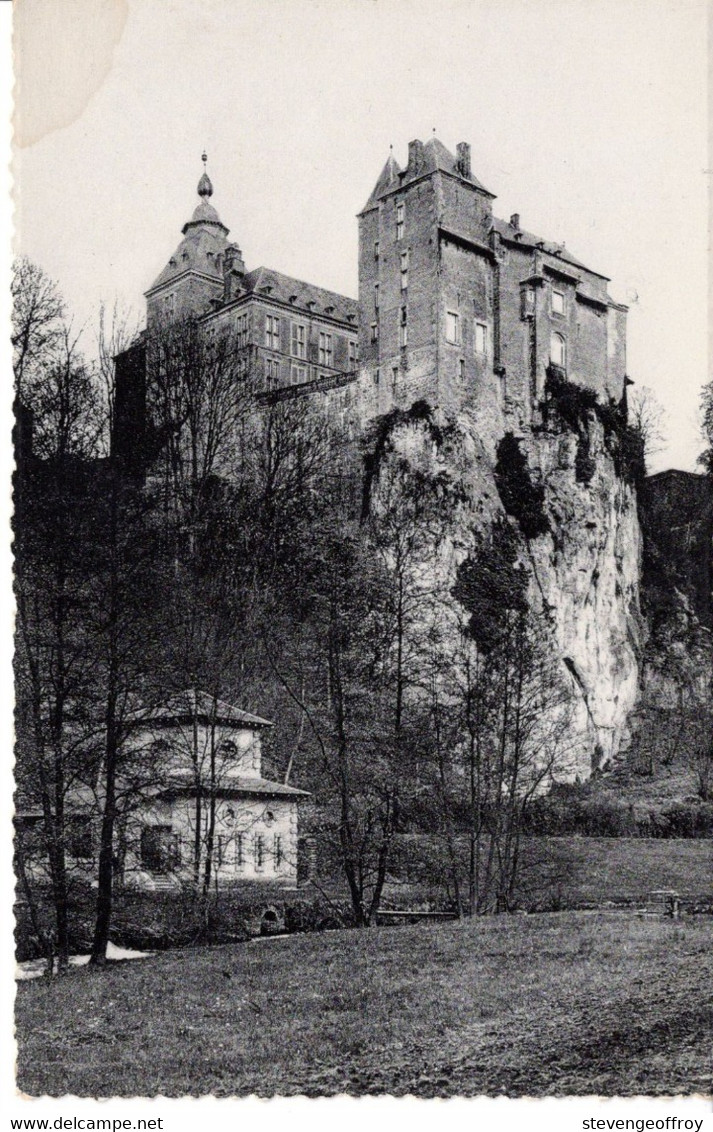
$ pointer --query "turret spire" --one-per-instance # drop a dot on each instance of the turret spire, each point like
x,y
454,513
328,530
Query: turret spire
x,y
205,185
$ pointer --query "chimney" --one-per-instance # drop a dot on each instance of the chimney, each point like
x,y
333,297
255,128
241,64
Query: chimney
x,y
233,268
463,159
515,221
415,156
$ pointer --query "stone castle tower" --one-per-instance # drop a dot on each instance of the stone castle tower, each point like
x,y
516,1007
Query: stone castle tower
x,y
460,308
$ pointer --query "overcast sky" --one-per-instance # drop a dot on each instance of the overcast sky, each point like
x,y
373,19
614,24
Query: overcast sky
x,y
587,118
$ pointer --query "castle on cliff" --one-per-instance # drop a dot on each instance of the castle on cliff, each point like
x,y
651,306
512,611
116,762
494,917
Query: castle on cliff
x,y
456,307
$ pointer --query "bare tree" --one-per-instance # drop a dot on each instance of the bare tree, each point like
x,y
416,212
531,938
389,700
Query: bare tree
x,y
646,416
53,492
199,393
515,707
37,317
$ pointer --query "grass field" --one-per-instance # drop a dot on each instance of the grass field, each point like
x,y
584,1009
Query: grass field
x,y
554,1004
572,872
597,869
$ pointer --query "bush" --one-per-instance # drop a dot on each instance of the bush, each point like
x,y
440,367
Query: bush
x,y
521,498
576,406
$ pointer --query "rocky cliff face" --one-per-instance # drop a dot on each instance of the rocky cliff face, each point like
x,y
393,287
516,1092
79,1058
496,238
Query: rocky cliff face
x,y
588,569
583,561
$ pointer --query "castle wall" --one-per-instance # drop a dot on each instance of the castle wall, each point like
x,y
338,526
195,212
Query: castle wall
x,y
466,290
463,208
189,295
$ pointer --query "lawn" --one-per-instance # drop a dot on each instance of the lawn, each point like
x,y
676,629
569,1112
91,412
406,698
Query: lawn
x,y
555,1004
573,872
598,869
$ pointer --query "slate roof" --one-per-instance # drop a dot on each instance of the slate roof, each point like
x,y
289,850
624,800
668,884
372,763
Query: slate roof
x,y
296,293
202,243
530,240
183,707
432,157
234,784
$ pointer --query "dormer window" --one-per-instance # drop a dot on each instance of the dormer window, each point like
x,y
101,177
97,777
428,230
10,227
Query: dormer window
x,y
267,289
311,305
329,310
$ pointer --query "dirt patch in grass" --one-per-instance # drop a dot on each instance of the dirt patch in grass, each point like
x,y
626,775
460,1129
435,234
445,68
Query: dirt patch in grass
x,y
526,1005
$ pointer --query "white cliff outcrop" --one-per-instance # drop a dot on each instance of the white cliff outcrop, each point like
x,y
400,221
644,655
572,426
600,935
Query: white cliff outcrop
x,y
584,565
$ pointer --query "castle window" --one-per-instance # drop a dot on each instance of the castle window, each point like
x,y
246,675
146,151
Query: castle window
x,y
481,337
558,351
242,330
272,372
278,854
375,332
353,350
325,349
376,296
299,340
557,302
399,221
452,327
239,851
403,328
461,369
298,374
394,375
376,249
259,851
527,300
169,304
404,270
272,332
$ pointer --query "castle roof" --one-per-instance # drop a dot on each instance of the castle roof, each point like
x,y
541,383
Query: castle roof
x,y
385,180
294,292
204,239
424,158
529,240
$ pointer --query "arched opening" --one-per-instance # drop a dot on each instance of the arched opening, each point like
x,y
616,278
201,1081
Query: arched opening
x,y
558,351
270,922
